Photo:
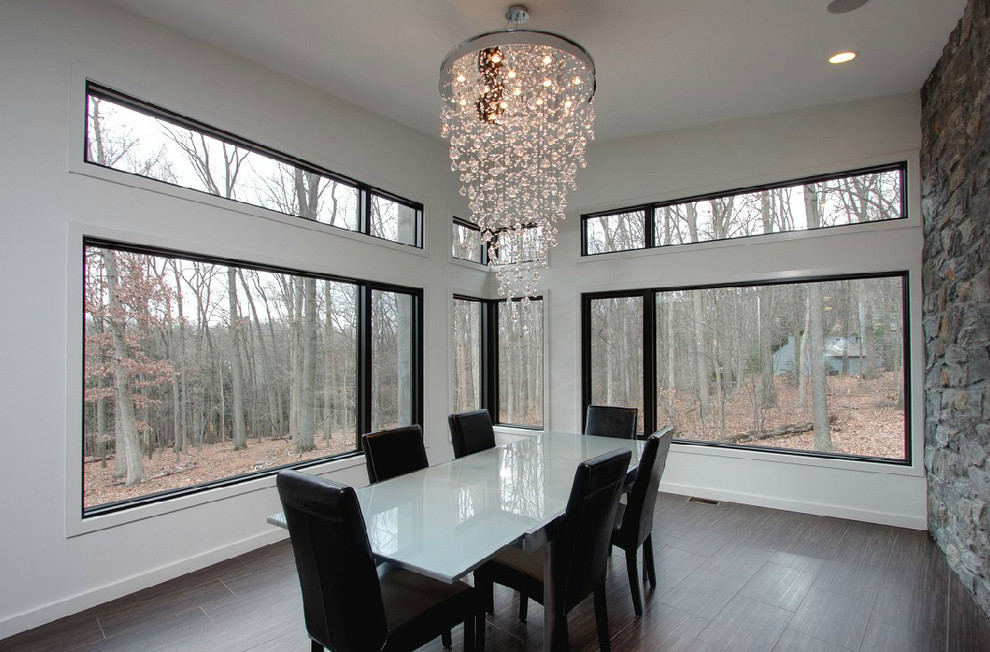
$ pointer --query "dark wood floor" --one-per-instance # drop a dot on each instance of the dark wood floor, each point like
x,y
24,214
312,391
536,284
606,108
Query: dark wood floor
x,y
731,577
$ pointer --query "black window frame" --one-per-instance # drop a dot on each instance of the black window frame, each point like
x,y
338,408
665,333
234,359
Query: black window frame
x,y
650,208
650,360
363,368
489,357
365,191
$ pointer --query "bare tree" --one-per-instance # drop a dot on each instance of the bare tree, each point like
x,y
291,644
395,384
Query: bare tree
x,y
819,389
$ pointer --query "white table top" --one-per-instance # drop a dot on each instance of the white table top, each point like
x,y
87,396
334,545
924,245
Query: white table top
x,y
446,520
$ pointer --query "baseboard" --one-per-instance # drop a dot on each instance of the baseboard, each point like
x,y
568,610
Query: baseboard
x,y
802,506
74,604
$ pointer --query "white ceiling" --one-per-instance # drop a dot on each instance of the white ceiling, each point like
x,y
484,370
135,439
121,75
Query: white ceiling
x,y
662,64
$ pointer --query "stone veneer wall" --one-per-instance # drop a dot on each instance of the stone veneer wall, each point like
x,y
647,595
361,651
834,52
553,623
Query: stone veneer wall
x,y
955,169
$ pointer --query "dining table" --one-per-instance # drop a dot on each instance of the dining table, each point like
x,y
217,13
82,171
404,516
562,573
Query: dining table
x,y
446,520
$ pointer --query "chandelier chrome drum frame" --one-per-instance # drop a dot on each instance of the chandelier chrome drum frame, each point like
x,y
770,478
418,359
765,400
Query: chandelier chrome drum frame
x,y
517,108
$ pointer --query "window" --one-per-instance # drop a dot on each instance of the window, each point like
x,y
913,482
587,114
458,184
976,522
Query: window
x,y
126,134
467,243
854,197
201,372
498,359
508,251
466,339
615,231
815,367
519,350
393,365
617,352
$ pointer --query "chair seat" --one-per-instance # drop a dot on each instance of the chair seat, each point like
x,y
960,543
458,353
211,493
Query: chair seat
x,y
523,562
520,570
416,605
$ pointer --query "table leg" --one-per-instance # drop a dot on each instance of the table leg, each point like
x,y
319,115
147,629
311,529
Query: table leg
x,y
554,617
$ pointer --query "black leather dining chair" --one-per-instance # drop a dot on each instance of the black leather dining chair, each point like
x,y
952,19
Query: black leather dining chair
x,y
611,421
388,453
471,432
579,551
349,603
634,521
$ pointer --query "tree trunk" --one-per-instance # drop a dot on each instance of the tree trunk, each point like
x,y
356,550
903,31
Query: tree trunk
x,y
768,395
307,403
133,466
237,383
816,326
404,353
701,357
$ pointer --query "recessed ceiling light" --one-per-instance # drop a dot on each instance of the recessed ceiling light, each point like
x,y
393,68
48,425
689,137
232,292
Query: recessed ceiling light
x,y
844,6
842,57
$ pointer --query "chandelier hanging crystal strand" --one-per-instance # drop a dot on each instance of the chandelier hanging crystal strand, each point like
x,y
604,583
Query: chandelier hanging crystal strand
x,y
517,108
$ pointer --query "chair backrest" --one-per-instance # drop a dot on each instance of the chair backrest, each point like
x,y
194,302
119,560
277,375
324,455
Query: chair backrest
x,y
342,598
637,522
389,453
471,432
580,548
611,421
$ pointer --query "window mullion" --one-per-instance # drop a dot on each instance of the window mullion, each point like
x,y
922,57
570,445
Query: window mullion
x,y
364,380
649,363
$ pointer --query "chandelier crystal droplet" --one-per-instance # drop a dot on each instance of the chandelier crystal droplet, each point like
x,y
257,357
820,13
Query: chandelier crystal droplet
x,y
517,108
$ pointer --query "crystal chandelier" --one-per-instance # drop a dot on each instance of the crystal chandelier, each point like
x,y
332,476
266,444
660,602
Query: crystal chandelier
x,y
517,109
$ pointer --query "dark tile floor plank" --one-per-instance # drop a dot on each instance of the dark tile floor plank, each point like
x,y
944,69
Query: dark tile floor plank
x,y
779,586
65,633
746,625
180,629
883,637
967,630
913,608
858,581
737,561
702,593
832,617
793,641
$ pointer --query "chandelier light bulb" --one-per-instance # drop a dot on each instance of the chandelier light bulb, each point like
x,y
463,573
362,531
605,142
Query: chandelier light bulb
x,y
516,160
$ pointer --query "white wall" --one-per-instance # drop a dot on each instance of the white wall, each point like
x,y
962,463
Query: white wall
x,y
47,47
733,155
46,50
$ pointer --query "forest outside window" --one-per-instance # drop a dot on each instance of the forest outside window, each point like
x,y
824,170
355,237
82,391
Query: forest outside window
x,y
498,359
466,242
854,197
132,136
201,372
813,367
